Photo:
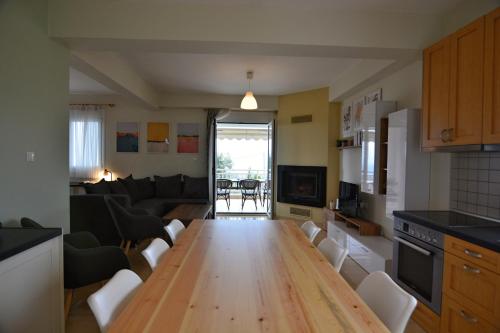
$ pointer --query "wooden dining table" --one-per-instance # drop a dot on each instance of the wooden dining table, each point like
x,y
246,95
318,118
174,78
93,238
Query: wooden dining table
x,y
245,276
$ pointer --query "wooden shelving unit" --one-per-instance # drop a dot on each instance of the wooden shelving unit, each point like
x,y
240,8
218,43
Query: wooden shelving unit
x,y
365,227
384,136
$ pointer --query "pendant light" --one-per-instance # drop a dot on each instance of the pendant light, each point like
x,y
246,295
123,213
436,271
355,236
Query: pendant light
x,y
249,102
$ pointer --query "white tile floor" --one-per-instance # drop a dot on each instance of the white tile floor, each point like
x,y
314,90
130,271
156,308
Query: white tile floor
x,y
235,206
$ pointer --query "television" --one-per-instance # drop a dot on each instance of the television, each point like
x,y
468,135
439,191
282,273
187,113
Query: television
x,y
348,198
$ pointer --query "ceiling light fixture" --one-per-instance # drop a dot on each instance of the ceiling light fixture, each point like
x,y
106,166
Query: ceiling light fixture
x,y
249,102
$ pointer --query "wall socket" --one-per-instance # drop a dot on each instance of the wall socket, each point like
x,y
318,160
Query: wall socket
x,y
30,156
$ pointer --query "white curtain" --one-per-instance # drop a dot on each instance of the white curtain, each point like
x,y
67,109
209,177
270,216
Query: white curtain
x,y
86,142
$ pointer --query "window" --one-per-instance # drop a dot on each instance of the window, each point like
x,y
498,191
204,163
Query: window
x,y
86,137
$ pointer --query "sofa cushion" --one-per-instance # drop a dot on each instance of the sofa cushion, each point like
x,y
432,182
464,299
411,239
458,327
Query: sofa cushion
x,y
168,187
146,188
100,187
117,187
195,188
132,188
154,206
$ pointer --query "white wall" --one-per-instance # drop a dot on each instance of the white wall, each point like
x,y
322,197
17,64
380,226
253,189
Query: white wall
x,y
405,87
33,117
145,164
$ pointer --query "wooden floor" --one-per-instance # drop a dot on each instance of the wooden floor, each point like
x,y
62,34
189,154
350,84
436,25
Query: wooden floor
x,y
81,319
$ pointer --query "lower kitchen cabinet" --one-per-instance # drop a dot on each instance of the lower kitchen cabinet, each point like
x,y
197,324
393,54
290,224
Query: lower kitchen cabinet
x,y
455,318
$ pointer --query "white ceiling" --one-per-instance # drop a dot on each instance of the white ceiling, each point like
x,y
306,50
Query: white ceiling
x,y
409,6
80,83
226,74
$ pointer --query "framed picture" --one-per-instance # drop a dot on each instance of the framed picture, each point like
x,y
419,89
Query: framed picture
x,y
127,137
188,138
374,96
158,137
347,120
357,109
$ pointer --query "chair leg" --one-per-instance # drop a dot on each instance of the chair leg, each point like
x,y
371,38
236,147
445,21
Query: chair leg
x,y
122,243
227,201
127,247
242,202
67,303
255,201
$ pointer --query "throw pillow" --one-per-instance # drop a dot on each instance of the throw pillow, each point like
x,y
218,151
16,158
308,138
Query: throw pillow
x,y
117,187
146,188
168,187
100,187
132,188
195,188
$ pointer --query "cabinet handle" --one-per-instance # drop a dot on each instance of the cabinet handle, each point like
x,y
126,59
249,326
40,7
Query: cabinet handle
x,y
473,254
450,134
470,269
444,135
469,318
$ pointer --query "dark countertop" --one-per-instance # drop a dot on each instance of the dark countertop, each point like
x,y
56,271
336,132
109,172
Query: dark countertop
x,y
16,240
482,232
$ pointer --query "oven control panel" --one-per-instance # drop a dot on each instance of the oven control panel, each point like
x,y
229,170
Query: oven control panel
x,y
424,234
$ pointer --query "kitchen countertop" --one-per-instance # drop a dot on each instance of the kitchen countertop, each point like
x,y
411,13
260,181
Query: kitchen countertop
x,y
17,240
482,232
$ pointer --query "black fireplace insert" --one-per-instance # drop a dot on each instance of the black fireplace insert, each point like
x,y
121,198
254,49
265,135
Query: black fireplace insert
x,y
302,185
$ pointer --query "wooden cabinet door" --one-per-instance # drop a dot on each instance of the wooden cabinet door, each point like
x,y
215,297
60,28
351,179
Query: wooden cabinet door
x,y
466,84
436,92
457,319
491,121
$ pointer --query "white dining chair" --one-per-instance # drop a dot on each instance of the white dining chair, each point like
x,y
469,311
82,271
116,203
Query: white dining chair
x,y
389,301
109,301
335,253
155,251
311,230
174,229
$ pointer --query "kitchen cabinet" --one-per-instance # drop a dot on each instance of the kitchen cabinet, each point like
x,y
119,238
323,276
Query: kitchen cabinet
x,y
436,93
471,288
454,86
491,118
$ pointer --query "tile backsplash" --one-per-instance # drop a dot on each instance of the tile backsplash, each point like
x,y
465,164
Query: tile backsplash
x,y
475,183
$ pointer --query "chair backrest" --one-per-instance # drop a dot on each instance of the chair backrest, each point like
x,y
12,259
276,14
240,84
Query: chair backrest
x,y
224,183
154,252
389,301
249,186
335,253
311,230
109,301
174,229
28,223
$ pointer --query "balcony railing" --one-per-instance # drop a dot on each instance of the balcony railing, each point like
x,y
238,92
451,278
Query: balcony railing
x,y
235,174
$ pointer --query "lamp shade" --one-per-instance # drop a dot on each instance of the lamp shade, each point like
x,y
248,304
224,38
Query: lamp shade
x,y
249,102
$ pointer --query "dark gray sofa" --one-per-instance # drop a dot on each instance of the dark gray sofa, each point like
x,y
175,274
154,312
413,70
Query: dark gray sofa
x,y
88,212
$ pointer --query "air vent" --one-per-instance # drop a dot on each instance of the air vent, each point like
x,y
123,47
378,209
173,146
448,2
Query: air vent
x,y
302,119
300,212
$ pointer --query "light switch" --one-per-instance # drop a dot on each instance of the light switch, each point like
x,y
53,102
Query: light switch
x,y
30,156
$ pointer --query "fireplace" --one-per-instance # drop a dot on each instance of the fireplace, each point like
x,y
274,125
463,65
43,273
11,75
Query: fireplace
x,y
302,185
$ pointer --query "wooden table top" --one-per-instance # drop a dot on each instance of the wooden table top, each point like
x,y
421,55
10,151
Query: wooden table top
x,y
245,276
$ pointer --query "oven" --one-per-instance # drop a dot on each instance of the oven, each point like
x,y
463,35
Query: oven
x,y
418,262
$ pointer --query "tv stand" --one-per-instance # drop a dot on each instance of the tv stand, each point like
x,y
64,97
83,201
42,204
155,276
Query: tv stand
x,y
365,227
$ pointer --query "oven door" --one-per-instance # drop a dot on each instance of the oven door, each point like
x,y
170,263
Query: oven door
x,y
418,268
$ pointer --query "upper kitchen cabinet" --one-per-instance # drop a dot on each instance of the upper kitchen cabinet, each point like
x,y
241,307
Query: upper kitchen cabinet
x,y
436,93
466,85
491,118
453,89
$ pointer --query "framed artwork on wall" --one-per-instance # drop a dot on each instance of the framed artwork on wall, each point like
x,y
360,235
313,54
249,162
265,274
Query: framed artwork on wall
x,y
346,120
374,96
357,109
158,137
188,138
127,137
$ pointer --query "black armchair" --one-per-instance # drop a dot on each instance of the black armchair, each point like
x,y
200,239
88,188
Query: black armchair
x,y
87,262
28,223
135,227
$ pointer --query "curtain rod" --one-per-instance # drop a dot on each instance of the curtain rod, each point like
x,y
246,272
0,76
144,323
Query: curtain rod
x,y
92,104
